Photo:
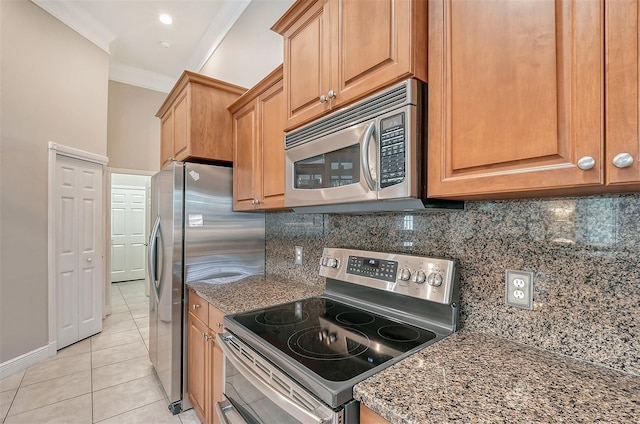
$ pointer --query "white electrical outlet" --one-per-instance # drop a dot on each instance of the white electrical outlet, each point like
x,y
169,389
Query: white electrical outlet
x,y
519,289
297,257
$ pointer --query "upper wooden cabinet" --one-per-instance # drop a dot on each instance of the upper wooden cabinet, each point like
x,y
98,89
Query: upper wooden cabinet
x,y
195,122
515,97
338,51
258,145
622,60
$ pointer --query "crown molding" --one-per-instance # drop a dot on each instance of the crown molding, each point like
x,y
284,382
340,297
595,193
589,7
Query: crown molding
x,y
141,78
80,21
215,33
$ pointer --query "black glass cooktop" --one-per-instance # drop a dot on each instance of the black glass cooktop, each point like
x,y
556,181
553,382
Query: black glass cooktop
x,y
334,340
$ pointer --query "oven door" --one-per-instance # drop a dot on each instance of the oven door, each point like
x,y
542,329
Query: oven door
x,y
257,392
337,168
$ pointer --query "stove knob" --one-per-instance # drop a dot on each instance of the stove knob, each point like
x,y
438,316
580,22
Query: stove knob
x,y
323,261
405,274
435,279
332,338
332,263
420,277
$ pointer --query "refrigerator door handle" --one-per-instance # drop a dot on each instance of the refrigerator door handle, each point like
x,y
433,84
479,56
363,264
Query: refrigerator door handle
x,y
156,233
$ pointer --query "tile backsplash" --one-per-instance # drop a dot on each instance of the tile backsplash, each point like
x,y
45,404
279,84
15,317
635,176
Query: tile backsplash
x,y
584,253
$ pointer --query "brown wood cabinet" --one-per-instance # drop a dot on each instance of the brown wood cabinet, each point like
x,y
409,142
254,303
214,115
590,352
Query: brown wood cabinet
x,y
195,122
622,58
338,51
205,362
367,416
519,95
258,146
515,97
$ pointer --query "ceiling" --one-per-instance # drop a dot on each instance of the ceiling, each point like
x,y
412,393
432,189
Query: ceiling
x,y
131,32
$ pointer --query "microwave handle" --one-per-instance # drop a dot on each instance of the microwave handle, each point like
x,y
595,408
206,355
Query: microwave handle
x,y
368,134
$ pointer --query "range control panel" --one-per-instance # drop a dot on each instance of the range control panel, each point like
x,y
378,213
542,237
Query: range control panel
x,y
426,278
373,268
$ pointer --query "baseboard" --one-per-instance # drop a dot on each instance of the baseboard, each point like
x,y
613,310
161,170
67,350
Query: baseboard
x,y
21,362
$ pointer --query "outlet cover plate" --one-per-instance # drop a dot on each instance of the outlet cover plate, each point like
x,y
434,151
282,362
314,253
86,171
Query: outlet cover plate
x,y
519,289
297,258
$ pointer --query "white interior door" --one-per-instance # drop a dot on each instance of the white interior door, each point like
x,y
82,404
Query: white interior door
x,y
79,249
128,229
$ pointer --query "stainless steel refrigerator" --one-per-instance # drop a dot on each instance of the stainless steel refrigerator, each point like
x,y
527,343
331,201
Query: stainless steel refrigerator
x,y
196,236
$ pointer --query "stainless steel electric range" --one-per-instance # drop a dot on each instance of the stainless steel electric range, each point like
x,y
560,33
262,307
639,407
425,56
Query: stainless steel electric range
x,y
298,362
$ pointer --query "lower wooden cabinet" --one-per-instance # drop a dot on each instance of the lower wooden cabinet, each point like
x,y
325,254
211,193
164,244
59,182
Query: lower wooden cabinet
x,y
367,416
205,362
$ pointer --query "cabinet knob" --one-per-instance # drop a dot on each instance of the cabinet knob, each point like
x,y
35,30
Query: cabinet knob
x,y
332,94
89,259
218,324
323,99
622,160
196,306
586,163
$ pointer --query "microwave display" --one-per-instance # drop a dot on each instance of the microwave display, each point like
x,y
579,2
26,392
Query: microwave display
x,y
333,169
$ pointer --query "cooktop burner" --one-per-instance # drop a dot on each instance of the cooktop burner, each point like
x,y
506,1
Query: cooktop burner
x,y
335,340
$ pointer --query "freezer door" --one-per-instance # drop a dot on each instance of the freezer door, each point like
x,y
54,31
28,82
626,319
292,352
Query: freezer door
x,y
220,245
165,303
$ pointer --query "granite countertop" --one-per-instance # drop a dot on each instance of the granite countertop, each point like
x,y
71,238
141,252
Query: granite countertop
x,y
471,377
253,292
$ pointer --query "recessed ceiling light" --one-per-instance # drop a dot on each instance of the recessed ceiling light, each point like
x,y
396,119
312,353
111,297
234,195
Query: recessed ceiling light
x,y
166,19
165,44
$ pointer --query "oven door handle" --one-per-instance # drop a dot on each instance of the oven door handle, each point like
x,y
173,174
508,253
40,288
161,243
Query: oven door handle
x,y
227,413
284,403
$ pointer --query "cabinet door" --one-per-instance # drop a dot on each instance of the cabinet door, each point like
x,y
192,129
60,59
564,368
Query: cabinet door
x,y
197,365
245,165
271,149
515,97
181,126
307,68
622,65
372,44
166,138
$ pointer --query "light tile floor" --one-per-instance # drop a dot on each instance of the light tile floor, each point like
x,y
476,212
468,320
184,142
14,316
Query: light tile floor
x,y
107,378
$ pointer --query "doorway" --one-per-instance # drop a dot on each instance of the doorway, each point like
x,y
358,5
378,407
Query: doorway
x,y
128,227
128,218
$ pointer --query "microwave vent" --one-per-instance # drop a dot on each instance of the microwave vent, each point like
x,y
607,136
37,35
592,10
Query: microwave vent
x,y
396,96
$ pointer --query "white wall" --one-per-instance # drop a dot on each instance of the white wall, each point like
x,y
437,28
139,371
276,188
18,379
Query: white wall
x,y
54,88
250,51
133,130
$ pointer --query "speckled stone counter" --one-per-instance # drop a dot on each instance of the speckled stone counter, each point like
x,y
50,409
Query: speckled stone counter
x,y
476,378
254,292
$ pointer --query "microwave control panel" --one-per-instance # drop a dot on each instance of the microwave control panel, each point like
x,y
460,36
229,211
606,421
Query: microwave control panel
x,y
392,150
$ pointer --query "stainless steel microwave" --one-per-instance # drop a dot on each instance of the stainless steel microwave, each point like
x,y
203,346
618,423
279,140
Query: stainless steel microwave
x,y
367,157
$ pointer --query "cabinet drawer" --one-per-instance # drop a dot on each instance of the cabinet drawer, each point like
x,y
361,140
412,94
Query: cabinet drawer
x,y
215,319
198,306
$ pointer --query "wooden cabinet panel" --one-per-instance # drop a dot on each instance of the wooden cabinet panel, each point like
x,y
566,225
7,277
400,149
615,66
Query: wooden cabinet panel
x,y
205,366
339,51
515,97
181,126
308,70
196,124
622,50
244,163
215,319
373,44
367,416
271,106
197,351
166,138
198,307
258,139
